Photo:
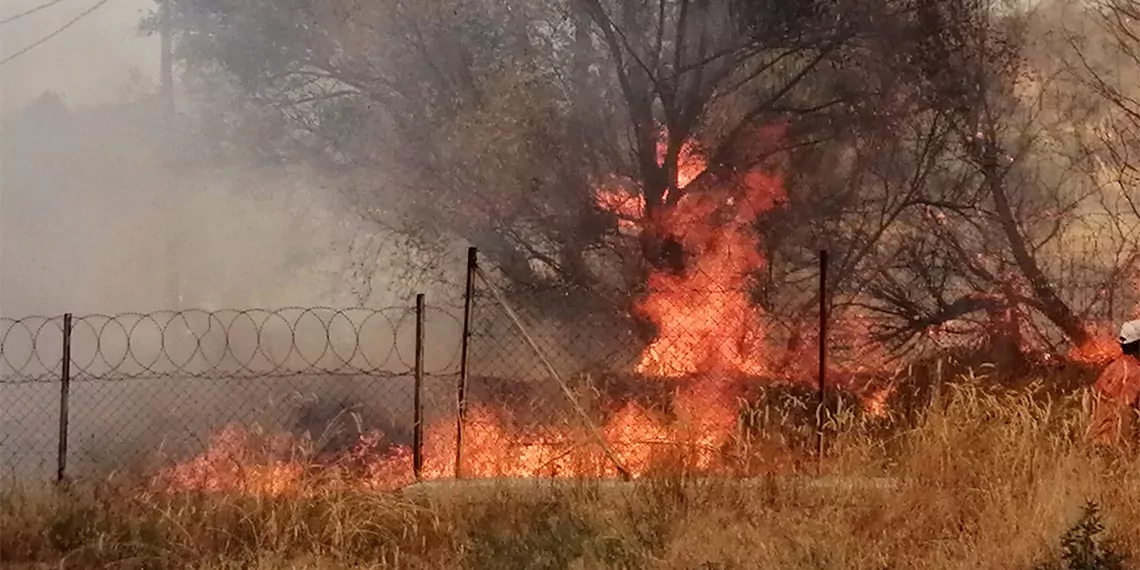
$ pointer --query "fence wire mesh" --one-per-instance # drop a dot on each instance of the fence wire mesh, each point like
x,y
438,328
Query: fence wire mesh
x,y
530,404
221,393
692,374
558,382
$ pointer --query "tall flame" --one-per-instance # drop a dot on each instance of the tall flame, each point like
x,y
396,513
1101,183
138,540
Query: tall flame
x,y
708,329
708,334
705,319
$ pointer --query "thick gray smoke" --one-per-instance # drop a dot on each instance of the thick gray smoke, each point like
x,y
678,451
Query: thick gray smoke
x,y
94,221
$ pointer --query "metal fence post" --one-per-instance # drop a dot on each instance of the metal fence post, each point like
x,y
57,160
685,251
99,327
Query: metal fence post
x,y
822,354
64,398
936,397
461,395
418,416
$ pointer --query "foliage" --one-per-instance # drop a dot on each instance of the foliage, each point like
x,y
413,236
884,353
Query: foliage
x,y
989,477
1082,546
951,180
547,535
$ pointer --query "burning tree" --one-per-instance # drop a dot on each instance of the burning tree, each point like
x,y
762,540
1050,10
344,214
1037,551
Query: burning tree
x,y
685,160
931,173
500,117
991,193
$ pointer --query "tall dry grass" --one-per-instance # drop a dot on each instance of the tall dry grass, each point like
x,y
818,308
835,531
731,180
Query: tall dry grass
x,y
983,478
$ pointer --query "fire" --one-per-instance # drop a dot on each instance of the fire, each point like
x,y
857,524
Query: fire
x,y
639,436
1101,349
706,321
248,461
876,404
1104,346
708,330
690,163
239,460
629,207
705,318
709,334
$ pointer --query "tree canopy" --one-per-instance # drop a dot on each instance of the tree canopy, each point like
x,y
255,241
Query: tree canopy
x,y
938,150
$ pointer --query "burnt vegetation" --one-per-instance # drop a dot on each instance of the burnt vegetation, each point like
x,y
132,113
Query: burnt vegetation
x,y
967,163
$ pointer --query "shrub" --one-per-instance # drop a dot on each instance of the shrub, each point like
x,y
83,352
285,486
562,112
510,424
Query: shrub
x,y
1084,548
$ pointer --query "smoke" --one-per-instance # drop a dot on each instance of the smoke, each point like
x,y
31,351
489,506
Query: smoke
x,y
96,222
100,213
97,216
93,223
101,59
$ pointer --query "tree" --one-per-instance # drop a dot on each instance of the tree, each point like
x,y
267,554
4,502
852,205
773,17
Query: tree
x,y
1104,56
441,117
495,120
933,173
995,238
713,73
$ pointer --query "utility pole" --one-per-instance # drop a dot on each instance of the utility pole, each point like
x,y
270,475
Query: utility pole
x,y
169,189
166,65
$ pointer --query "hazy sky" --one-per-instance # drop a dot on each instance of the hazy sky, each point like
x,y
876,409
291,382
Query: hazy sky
x,y
100,59
248,236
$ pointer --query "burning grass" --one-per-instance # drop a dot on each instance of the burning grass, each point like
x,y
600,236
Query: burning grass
x,y
982,478
916,475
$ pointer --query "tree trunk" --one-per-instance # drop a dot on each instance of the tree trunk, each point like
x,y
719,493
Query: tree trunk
x,y
1051,303
1005,340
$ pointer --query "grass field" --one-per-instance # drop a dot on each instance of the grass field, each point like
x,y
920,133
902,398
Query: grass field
x,y
985,479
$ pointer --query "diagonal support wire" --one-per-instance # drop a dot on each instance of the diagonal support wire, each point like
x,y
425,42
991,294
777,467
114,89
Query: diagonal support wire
x,y
597,434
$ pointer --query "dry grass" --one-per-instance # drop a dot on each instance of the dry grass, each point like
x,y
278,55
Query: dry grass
x,y
985,480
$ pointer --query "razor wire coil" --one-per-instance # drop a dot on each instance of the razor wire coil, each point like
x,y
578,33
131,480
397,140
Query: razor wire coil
x,y
227,343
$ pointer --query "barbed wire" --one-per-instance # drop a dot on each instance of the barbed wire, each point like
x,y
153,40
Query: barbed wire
x,y
675,371
229,343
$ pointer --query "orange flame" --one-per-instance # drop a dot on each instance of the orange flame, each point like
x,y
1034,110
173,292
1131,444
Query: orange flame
x,y
1104,346
1100,349
706,321
238,460
246,461
708,330
875,405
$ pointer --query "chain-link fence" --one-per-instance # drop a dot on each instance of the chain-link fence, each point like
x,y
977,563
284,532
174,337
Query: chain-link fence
x,y
565,382
570,382
136,391
516,381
